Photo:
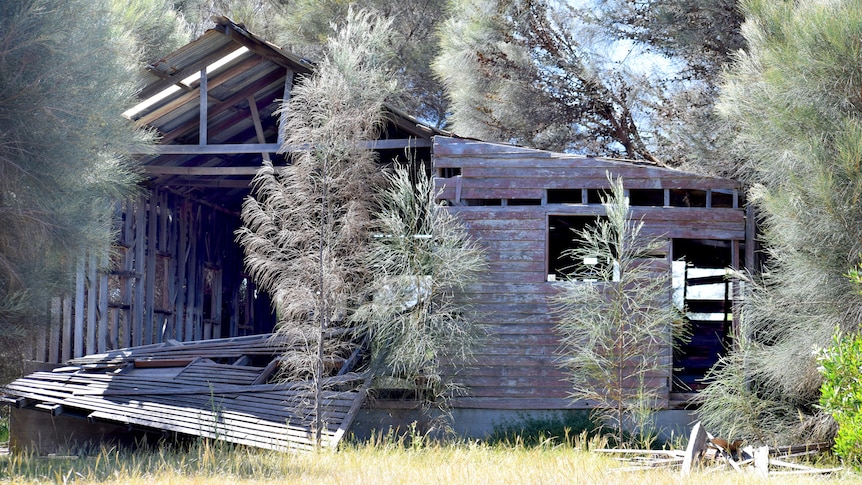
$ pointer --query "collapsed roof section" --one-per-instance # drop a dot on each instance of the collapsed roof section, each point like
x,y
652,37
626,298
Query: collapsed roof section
x,y
222,389
213,104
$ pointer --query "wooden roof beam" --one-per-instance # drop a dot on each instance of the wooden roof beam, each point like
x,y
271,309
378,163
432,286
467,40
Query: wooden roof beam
x,y
224,105
175,78
187,97
236,148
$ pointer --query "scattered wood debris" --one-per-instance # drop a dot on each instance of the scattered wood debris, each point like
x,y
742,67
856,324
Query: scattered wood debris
x,y
218,389
705,450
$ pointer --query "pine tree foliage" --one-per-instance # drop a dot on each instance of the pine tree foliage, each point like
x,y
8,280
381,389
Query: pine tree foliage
x,y
306,226
303,25
259,16
703,33
421,257
156,26
795,100
516,70
552,75
65,75
616,333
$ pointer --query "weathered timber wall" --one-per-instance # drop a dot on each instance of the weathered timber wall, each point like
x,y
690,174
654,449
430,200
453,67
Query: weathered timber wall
x,y
487,186
176,273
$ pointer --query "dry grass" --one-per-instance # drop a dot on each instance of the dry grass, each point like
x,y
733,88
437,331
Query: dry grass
x,y
388,462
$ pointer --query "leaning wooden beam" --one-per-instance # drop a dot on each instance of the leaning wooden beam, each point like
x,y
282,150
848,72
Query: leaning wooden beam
x,y
176,77
235,148
695,448
202,171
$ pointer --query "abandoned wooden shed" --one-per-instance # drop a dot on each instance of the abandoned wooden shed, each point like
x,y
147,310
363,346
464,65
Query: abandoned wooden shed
x,y
178,277
523,204
178,273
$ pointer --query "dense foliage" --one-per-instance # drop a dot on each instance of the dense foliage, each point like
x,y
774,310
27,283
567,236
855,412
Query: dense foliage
x,y
421,257
793,100
305,230
614,78
841,394
66,72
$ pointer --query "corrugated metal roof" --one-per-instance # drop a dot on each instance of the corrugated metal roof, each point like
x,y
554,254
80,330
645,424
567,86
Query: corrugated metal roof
x,y
240,66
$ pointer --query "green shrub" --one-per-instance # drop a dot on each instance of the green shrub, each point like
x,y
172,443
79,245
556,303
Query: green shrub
x,y
841,394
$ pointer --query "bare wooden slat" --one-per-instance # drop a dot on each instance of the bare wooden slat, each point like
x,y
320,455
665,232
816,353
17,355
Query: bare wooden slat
x,y
56,316
104,317
67,328
79,308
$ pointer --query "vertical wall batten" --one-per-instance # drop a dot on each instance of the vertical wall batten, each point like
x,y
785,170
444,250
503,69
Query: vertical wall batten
x,y
54,332
140,251
66,347
150,281
79,309
92,293
104,317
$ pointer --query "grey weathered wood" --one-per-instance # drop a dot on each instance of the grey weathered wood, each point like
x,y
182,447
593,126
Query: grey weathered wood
x,y
258,127
695,448
56,322
66,350
138,313
204,104
100,287
149,281
761,460
80,278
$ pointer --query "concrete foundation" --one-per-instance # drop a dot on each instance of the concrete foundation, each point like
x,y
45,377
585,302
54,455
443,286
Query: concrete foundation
x,y
471,423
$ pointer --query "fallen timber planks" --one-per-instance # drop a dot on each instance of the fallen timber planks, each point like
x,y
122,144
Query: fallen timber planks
x,y
202,388
703,449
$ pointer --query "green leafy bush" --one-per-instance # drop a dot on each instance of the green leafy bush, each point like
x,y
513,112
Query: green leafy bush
x,y
841,394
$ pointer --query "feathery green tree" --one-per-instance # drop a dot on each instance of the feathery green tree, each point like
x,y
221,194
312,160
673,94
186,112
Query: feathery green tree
x,y
156,26
421,257
616,334
303,26
616,77
66,72
306,226
794,98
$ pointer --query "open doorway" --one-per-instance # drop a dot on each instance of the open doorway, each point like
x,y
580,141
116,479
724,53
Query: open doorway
x,y
701,287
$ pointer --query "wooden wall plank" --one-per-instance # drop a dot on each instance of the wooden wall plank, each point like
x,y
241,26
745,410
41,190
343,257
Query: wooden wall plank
x,y
150,282
103,317
79,308
66,349
54,332
138,310
92,302
182,272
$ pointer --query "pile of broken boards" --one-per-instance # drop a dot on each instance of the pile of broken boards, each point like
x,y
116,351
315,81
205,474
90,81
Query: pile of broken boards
x,y
218,388
705,451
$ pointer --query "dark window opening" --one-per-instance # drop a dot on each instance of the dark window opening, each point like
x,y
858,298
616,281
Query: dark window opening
x,y
448,172
565,196
524,201
564,234
722,199
482,202
687,198
646,197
